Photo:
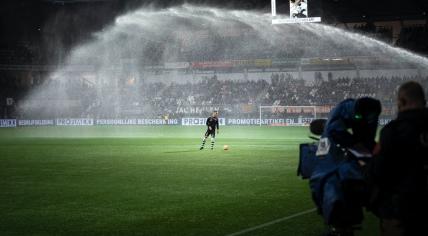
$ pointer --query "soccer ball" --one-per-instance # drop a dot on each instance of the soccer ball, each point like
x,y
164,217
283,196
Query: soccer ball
x,y
225,147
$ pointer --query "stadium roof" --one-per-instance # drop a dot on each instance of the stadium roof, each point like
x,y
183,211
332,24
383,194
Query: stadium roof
x,y
340,10
350,10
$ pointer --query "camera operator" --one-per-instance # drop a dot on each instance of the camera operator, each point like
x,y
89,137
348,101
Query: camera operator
x,y
337,183
399,197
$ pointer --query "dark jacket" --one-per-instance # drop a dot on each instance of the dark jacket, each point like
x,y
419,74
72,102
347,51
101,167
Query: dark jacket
x,y
397,171
341,120
212,122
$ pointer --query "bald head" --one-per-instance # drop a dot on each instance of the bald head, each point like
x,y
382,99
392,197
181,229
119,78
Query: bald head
x,y
411,96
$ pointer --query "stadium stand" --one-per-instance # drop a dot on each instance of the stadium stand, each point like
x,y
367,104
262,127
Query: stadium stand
x,y
232,95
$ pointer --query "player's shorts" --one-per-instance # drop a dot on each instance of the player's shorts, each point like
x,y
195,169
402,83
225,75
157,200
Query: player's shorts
x,y
210,132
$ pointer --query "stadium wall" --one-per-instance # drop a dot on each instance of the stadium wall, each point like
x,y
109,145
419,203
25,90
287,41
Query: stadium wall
x,y
182,77
188,121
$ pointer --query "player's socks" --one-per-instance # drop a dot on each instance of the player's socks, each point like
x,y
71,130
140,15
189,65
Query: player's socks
x,y
203,144
212,143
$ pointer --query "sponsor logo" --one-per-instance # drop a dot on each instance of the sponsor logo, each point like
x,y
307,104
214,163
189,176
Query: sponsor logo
x,y
7,123
200,121
136,122
75,122
35,122
196,109
272,122
384,121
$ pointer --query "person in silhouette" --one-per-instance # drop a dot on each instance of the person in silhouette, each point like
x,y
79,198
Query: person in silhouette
x,y
398,171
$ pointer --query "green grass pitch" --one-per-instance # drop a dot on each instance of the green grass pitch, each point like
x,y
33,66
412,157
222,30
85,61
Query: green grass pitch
x,y
154,181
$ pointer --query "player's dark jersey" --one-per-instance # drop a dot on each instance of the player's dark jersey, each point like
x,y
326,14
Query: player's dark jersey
x,y
212,122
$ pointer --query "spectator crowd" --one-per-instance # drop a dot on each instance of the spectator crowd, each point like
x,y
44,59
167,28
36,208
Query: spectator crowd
x,y
232,97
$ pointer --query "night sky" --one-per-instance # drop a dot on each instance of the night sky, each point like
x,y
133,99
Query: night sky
x,y
38,23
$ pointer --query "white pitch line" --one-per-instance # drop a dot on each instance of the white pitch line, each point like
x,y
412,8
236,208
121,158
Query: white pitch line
x,y
272,222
